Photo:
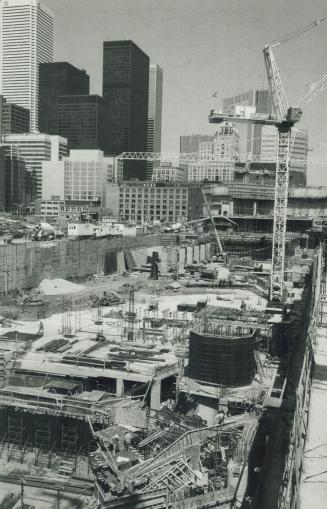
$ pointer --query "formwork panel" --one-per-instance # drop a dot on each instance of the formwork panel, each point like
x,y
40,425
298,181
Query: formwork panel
x,y
226,361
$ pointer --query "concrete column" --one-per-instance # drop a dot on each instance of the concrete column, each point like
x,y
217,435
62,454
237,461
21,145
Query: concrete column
x,y
208,251
155,396
202,252
120,262
181,260
163,265
196,254
119,387
189,255
255,207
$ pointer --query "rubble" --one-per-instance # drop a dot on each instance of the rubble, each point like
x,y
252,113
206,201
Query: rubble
x,y
58,287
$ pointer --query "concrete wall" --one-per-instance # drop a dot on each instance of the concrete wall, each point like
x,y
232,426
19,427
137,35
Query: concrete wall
x,y
26,265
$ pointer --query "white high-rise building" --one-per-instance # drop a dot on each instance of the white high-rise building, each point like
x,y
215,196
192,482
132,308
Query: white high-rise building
x,y
154,115
77,181
26,40
35,148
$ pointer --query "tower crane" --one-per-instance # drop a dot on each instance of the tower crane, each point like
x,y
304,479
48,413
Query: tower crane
x,y
284,118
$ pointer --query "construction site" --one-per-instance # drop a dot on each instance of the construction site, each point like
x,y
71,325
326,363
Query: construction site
x,y
168,371
156,386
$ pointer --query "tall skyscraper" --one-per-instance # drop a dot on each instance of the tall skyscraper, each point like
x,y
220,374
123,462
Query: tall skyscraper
x,y
126,90
56,79
154,115
26,28
84,121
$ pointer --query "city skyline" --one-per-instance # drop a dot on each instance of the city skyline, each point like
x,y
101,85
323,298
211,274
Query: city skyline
x,y
194,72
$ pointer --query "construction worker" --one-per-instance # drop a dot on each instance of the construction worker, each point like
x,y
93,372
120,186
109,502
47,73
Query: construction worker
x,y
40,332
220,417
119,487
115,443
127,441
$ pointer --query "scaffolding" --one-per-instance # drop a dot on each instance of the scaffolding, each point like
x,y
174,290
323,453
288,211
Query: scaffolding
x,y
78,316
66,318
69,451
42,443
18,441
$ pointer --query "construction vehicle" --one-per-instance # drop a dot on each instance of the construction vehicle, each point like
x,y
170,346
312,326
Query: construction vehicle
x,y
221,256
44,231
30,299
284,118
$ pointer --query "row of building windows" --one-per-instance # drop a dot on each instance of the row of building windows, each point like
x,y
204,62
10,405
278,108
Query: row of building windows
x,y
158,207
176,192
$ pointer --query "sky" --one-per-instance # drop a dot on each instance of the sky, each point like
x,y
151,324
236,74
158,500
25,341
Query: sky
x,y
203,47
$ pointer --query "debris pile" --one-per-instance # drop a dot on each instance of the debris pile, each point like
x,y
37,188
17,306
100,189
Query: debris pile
x,y
58,287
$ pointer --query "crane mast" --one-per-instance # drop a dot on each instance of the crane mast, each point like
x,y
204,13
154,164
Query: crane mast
x,y
287,117
280,215
281,108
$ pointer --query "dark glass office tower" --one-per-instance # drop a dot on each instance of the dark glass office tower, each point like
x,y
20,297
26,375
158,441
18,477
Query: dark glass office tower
x,y
126,90
57,79
84,121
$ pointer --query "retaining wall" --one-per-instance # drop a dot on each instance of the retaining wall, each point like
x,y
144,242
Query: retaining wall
x,y
25,265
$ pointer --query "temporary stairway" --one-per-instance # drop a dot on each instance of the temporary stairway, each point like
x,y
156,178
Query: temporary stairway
x,y
192,437
130,263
